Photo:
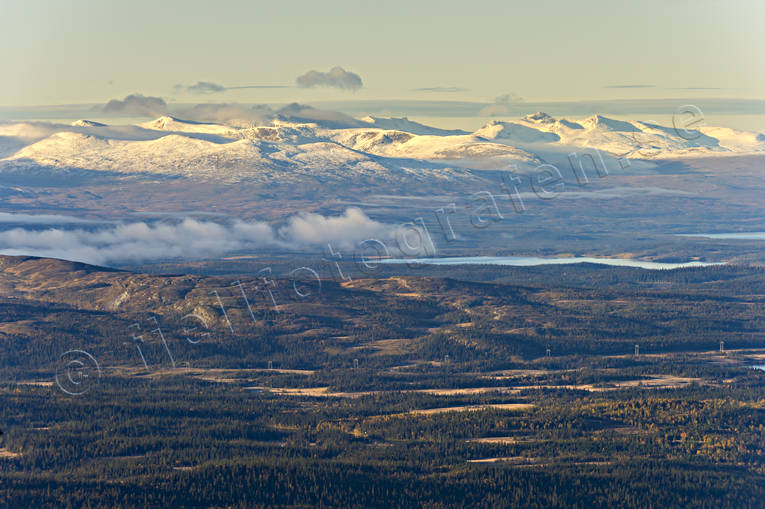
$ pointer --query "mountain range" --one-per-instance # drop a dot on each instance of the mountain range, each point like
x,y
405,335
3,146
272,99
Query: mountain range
x,y
370,150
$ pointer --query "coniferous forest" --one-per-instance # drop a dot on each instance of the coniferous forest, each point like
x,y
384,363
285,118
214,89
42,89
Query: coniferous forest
x,y
492,388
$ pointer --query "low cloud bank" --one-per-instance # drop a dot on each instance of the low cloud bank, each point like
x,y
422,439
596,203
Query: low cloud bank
x,y
263,114
193,238
227,112
345,230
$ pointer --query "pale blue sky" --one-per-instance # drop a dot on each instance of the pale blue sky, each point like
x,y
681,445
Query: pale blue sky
x,y
93,51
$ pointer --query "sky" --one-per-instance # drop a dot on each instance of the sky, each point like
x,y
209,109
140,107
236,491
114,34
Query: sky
x,y
93,51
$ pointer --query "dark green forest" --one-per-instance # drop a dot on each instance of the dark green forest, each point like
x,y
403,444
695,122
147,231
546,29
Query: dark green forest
x,y
488,388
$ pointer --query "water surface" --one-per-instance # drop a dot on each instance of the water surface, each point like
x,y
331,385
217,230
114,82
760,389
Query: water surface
x,y
530,261
728,236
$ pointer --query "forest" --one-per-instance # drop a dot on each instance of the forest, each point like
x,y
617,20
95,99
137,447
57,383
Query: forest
x,y
493,387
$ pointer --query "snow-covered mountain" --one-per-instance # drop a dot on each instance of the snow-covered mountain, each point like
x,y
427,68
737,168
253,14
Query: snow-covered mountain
x,y
387,150
409,126
280,152
639,140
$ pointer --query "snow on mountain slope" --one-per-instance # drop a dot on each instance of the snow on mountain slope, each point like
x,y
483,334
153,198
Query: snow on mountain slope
x,y
173,124
288,151
735,140
472,150
26,130
409,126
280,153
641,140
607,124
86,123
512,131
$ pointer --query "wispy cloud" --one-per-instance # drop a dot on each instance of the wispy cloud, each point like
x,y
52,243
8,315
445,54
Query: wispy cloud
x,y
192,238
440,89
695,88
224,113
504,104
201,87
137,104
337,77
208,87
630,86
296,112
233,113
258,87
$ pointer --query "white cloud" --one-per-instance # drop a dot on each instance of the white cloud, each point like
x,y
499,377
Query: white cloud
x,y
343,231
227,112
191,238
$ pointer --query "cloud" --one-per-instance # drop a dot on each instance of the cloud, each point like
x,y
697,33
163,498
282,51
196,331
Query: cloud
x,y
207,87
192,238
344,231
695,88
629,86
262,114
258,87
509,98
337,77
201,87
137,104
296,112
439,89
504,104
232,112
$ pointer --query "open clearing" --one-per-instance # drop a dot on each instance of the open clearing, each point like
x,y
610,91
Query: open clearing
x,y
5,453
472,408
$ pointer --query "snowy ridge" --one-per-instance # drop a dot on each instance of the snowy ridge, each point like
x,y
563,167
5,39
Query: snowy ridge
x,y
409,126
640,140
387,150
280,152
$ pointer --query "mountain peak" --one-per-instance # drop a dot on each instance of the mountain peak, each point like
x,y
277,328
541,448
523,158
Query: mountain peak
x,y
539,117
164,121
86,123
608,124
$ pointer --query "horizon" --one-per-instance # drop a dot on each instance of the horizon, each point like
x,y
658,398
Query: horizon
x,y
743,114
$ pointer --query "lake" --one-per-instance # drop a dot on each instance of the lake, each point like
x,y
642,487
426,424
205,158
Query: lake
x,y
728,236
530,261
